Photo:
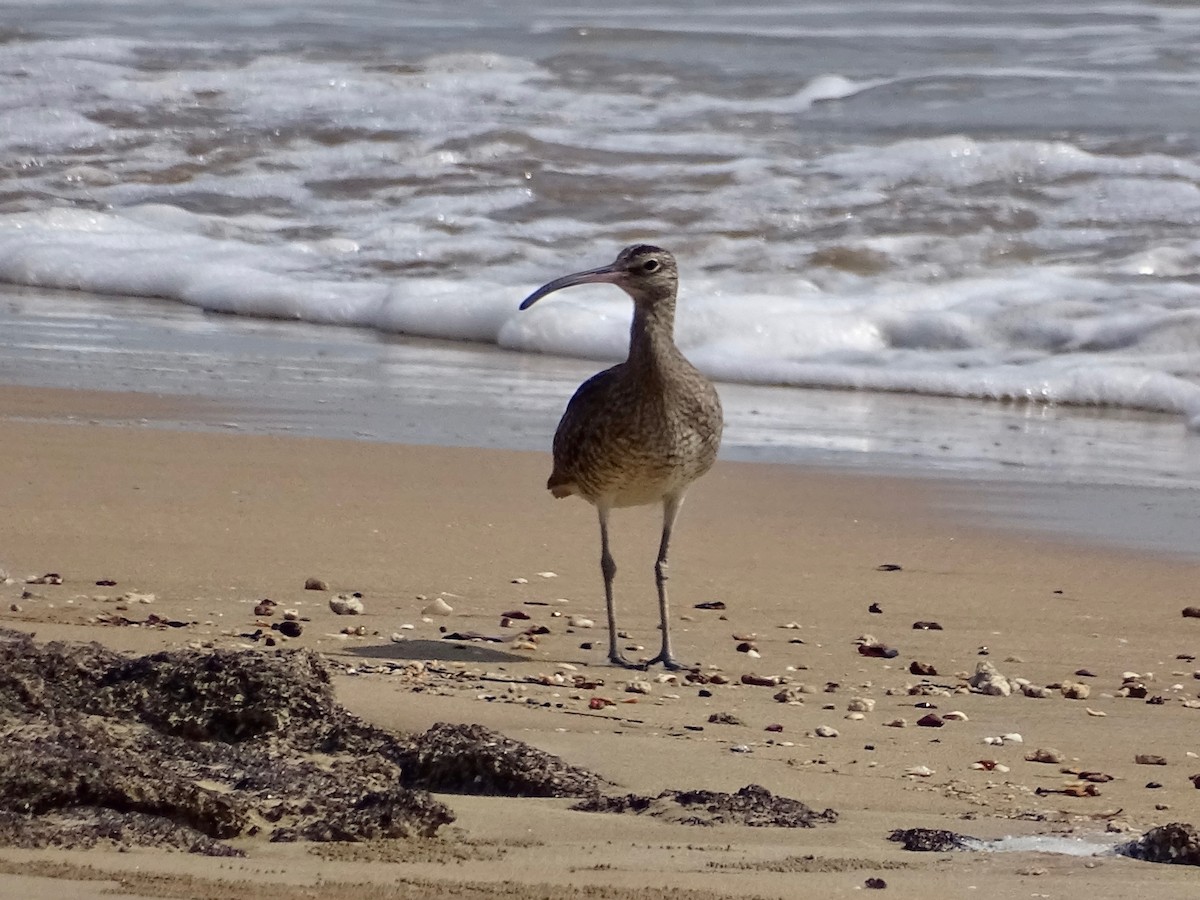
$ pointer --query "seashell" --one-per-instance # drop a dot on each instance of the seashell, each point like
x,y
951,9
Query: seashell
x,y
438,607
346,605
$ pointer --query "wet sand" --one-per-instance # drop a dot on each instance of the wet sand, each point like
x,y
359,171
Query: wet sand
x,y
212,522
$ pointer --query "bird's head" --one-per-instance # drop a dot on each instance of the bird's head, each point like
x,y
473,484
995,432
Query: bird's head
x,y
647,274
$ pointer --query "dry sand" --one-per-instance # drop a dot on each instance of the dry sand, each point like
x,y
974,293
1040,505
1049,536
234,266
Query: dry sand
x,y
210,523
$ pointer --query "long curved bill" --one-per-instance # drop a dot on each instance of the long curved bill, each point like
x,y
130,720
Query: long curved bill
x,y
605,274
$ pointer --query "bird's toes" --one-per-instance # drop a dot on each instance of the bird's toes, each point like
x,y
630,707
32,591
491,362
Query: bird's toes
x,y
618,660
668,662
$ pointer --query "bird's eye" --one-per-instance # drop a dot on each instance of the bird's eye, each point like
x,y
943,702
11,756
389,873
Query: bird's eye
x,y
650,265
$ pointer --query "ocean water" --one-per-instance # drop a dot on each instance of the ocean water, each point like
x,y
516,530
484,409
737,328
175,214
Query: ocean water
x,y
992,202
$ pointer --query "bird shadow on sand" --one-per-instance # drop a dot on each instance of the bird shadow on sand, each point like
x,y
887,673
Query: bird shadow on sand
x,y
443,651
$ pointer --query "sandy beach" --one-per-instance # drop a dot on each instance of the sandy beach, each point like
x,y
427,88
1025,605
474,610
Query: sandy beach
x,y
211,523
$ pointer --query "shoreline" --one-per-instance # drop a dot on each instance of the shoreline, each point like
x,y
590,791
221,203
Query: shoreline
x,y
283,377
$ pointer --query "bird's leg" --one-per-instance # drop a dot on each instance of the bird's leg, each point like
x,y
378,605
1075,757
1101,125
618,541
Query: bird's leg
x,y
609,569
670,511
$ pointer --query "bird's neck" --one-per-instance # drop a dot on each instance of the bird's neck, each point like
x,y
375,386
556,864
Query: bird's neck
x,y
652,335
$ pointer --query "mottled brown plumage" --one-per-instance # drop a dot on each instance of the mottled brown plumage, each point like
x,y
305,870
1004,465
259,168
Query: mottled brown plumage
x,y
642,431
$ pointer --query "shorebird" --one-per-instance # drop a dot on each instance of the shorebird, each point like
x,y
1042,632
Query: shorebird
x,y
642,431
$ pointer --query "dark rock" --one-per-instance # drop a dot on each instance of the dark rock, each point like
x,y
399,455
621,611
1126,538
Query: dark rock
x,y
752,805
876,884
290,628
316,584
931,840
1191,612
931,720
1177,843
926,626
880,650
724,718
875,608
925,670
888,567
711,604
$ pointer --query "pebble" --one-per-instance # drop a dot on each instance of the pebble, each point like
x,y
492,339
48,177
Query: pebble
x,y
1075,690
398,638
919,771
955,716
580,622
861,704
346,605
897,723
265,607
438,607
48,578
1095,712
926,626
547,574
316,584
135,597
758,680
988,680
637,686
1150,759
291,615
793,694
825,731
291,628
1037,691
923,669
930,720
1045,755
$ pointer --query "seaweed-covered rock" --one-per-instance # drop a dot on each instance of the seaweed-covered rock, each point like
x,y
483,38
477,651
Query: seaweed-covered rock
x,y
1177,843
187,749
217,696
471,759
931,840
752,805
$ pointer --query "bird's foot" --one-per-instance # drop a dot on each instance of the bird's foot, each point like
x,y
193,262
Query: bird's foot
x,y
618,660
668,661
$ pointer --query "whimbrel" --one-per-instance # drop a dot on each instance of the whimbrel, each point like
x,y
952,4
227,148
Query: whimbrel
x,y
642,431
